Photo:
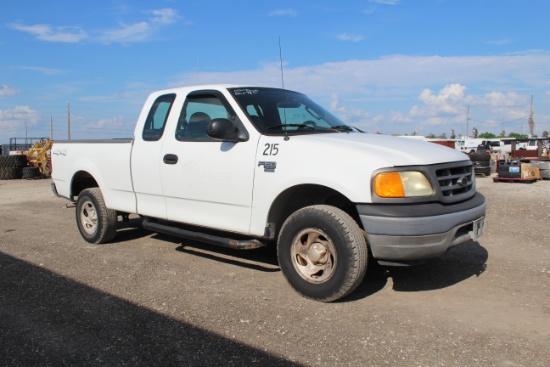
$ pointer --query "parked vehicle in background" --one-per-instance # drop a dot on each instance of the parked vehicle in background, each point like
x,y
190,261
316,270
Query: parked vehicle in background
x,y
244,167
470,145
527,145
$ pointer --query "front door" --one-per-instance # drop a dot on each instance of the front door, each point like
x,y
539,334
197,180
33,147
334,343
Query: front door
x,y
207,182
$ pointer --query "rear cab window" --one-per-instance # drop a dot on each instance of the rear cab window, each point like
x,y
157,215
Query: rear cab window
x,y
156,119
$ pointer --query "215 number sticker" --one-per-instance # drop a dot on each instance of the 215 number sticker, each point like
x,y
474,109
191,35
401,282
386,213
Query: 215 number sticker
x,y
271,149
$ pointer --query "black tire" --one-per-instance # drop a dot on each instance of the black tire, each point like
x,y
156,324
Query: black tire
x,y
19,160
30,173
486,171
5,161
96,223
322,253
10,173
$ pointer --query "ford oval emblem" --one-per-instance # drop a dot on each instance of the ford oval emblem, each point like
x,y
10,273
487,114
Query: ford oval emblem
x,y
462,181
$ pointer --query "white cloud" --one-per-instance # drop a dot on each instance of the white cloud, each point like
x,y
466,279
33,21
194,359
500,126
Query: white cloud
x,y
165,16
450,105
410,91
46,32
6,91
453,101
350,114
508,106
137,32
141,31
449,101
126,33
15,118
284,13
350,37
399,74
398,117
107,123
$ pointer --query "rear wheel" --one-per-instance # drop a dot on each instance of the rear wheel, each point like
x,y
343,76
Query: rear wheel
x,y
96,223
322,253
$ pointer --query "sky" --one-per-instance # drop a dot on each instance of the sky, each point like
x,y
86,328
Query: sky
x,y
384,66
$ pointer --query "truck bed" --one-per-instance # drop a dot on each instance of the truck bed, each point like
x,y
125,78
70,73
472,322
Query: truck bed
x,y
106,160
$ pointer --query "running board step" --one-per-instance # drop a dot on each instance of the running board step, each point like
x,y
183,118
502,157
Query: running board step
x,y
246,244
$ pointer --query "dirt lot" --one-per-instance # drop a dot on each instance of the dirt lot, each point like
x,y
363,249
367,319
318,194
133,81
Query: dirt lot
x,y
151,299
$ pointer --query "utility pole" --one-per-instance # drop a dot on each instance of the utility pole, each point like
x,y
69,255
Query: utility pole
x,y
69,120
468,123
51,128
531,120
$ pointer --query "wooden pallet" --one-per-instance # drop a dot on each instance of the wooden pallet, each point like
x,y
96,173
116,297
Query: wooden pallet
x,y
508,179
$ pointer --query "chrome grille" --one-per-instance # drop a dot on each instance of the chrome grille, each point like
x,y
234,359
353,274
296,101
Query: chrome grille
x,y
455,181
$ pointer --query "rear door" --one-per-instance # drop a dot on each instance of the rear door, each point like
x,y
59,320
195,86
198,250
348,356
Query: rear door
x,y
147,159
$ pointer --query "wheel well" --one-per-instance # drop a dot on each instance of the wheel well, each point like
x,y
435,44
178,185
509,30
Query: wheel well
x,y
82,180
298,197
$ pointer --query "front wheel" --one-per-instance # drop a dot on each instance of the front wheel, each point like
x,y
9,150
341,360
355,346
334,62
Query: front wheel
x,y
96,223
322,252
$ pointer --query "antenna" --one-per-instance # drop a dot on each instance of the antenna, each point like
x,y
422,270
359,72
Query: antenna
x,y
283,83
281,59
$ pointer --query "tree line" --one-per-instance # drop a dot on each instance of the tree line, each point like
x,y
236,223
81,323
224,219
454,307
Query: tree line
x,y
486,135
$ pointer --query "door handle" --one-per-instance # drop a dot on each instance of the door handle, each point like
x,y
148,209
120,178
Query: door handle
x,y
170,159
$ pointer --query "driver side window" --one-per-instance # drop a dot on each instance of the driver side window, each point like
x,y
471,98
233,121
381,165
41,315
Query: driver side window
x,y
197,113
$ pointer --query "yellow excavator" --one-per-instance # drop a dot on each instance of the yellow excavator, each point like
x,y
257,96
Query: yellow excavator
x,y
39,156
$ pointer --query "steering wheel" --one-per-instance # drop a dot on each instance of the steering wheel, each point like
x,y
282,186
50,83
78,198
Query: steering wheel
x,y
309,123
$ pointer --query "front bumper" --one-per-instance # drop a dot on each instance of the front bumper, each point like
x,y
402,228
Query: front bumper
x,y
421,231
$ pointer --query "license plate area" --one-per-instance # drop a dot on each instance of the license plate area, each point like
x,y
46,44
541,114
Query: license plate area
x,y
479,226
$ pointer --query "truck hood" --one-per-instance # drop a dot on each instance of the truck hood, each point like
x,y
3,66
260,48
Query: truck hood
x,y
396,151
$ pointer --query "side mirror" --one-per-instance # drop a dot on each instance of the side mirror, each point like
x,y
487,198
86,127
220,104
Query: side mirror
x,y
223,129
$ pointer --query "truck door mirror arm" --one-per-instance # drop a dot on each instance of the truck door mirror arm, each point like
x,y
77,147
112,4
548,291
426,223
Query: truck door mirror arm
x,y
225,129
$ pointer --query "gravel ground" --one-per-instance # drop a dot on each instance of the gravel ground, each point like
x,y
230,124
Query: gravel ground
x,y
149,299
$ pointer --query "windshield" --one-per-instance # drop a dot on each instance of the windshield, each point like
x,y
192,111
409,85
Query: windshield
x,y
282,112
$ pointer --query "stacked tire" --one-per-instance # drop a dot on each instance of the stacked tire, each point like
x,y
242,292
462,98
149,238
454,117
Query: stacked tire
x,y
30,173
481,162
11,166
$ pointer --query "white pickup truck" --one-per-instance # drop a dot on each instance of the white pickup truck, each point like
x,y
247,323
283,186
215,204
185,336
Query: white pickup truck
x,y
244,167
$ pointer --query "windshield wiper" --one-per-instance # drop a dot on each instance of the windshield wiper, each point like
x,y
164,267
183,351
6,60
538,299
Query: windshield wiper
x,y
342,128
309,127
290,125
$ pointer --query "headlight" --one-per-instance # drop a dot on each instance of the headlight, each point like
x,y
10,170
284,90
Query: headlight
x,y
402,184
